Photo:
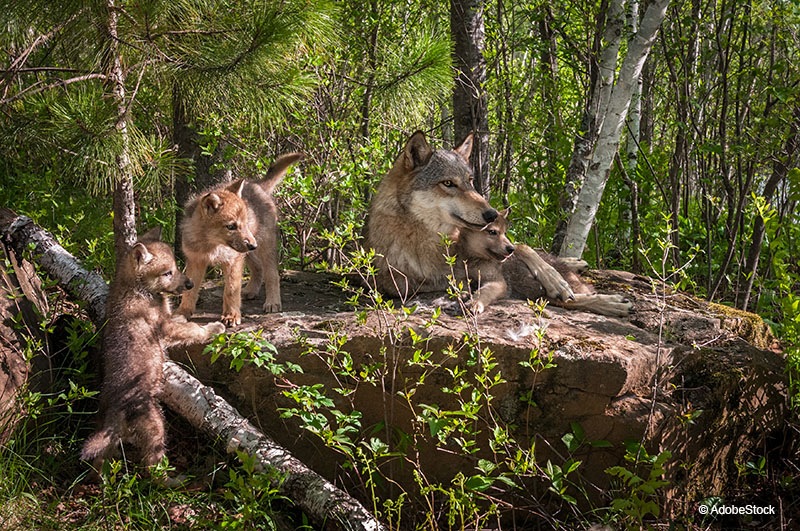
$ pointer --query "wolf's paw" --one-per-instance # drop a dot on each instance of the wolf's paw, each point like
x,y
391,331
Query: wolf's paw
x,y
615,305
214,328
251,290
555,285
272,306
576,264
232,318
478,307
179,318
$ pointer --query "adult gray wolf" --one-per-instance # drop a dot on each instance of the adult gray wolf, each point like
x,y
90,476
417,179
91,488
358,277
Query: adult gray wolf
x,y
491,259
428,195
138,331
227,226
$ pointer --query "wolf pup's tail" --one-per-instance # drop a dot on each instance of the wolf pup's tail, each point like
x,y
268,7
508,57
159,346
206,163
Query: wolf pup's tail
x,y
97,445
277,171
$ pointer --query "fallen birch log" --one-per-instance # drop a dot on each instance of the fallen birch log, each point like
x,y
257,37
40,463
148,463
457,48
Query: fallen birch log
x,y
211,414
200,405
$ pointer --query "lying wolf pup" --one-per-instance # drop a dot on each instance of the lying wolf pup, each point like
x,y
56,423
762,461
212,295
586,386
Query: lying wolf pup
x,y
138,330
492,259
231,224
428,193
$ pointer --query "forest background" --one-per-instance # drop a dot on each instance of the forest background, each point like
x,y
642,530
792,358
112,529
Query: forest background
x,y
690,146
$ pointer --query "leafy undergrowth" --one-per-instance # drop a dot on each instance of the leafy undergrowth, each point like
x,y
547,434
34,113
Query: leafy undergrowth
x,y
221,492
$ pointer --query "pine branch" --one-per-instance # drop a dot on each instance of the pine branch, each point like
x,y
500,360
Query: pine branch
x,y
31,90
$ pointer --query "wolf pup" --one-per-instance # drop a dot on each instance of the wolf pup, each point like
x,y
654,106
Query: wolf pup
x,y
227,226
138,330
426,195
496,263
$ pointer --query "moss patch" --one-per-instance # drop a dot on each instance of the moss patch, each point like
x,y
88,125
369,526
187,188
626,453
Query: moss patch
x,y
746,325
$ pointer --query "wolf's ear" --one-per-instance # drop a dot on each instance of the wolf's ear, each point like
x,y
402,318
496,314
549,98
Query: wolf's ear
x,y
141,254
504,213
236,187
465,149
211,202
417,152
153,235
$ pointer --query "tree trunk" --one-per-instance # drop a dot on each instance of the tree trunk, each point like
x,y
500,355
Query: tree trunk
x,y
470,109
203,172
203,408
602,67
629,214
580,223
20,232
780,169
212,415
22,305
123,201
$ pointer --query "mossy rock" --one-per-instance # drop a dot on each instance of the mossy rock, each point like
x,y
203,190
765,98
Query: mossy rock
x,y
748,326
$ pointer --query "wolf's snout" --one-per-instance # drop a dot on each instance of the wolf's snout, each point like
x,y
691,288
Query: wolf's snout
x,y
188,284
489,215
250,245
509,249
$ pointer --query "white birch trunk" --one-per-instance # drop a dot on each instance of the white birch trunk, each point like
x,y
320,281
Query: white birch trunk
x,y
607,65
211,414
184,394
631,159
20,232
597,102
580,223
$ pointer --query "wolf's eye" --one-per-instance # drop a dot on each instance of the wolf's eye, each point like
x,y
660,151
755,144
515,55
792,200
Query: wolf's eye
x,y
168,274
231,226
448,183
492,232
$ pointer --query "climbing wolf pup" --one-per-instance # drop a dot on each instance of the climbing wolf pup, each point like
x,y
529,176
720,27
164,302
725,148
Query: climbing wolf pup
x,y
495,263
138,330
426,195
227,226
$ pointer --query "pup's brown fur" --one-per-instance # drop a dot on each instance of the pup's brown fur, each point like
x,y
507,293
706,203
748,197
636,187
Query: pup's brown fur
x,y
427,194
138,330
227,226
496,263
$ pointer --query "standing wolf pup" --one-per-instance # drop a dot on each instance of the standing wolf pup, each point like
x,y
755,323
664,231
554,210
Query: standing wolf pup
x,y
231,224
138,330
496,263
428,193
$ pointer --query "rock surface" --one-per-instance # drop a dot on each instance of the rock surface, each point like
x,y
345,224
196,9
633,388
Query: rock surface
x,y
606,370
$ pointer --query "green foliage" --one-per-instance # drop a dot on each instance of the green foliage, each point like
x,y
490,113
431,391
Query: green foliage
x,y
639,493
346,82
248,348
251,494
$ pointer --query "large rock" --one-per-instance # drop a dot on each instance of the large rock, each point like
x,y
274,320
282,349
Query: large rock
x,y
640,378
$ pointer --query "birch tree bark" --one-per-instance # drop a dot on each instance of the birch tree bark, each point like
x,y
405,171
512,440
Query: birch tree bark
x,y
470,102
212,415
601,81
631,158
184,394
580,223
